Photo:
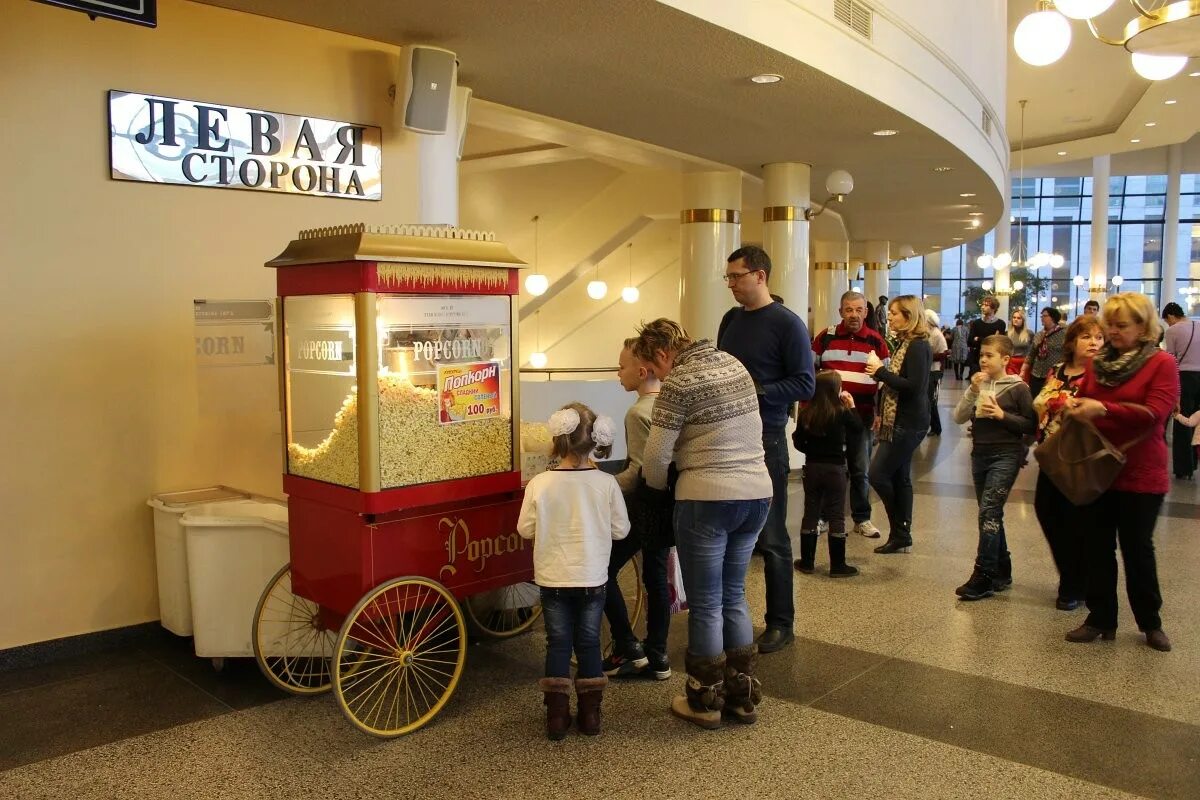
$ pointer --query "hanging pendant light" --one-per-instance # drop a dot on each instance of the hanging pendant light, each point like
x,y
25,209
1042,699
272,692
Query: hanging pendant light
x,y
630,293
536,283
1042,37
597,288
537,359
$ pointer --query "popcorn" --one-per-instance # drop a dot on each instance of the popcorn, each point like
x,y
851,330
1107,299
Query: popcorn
x,y
413,447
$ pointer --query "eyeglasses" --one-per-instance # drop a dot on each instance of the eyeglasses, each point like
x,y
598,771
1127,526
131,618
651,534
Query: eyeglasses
x,y
732,277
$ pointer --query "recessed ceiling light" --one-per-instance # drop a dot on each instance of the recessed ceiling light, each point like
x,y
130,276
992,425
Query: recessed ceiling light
x,y
1062,152
766,77
1151,124
885,132
974,213
958,238
942,169
1134,141
1194,74
1169,102
975,223
966,194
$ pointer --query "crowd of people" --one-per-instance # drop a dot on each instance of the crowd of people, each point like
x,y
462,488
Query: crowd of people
x,y
708,466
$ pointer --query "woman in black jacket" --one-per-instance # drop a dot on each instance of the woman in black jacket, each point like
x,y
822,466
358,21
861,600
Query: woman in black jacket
x,y
903,417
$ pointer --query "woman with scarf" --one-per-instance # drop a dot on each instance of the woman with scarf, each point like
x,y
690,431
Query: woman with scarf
x,y
903,417
1128,393
1046,351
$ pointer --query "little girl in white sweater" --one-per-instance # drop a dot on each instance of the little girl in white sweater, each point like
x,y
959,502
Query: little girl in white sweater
x,y
573,513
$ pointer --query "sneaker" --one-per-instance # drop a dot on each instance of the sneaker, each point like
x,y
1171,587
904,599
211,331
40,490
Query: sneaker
x,y
625,661
979,587
867,529
659,666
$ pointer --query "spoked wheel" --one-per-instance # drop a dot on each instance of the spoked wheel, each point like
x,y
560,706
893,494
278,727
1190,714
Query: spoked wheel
x,y
292,646
630,581
400,654
506,611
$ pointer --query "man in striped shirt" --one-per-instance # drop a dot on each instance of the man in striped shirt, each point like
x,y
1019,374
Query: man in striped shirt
x,y
845,347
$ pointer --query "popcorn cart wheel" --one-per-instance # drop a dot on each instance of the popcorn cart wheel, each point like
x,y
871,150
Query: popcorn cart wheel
x,y
292,645
504,612
399,656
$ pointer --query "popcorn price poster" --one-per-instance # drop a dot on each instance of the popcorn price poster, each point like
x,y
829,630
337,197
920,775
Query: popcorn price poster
x,y
468,391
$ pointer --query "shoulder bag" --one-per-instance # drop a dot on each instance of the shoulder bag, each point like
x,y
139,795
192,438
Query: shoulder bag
x,y
1080,461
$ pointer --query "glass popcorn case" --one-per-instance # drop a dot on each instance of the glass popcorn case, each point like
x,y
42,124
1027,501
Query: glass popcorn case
x,y
397,378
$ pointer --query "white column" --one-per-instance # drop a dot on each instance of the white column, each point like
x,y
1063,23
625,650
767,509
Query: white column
x,y
829,281
1098,285
1001,276
437,165
1170,240
875,265
711,230
785,232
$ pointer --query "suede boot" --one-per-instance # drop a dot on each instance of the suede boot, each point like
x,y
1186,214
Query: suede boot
x,y
556,694
743,692
838,568
704,693
808,553
589,692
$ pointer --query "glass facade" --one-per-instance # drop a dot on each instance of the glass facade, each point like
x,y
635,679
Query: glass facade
x,y
1054,215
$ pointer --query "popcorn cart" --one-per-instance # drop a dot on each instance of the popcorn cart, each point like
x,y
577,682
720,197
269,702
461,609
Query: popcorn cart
x,y
402,429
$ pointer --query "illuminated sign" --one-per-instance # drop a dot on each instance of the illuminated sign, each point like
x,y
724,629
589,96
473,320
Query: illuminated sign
x,y
169,140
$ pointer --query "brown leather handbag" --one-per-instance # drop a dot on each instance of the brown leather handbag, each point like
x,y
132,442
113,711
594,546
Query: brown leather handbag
x,y
1080,461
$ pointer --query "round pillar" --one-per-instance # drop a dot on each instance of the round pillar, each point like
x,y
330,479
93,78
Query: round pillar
x,y
437,165
876,259
710,230
1170,239
785,231
1098,285
829,281
1002,277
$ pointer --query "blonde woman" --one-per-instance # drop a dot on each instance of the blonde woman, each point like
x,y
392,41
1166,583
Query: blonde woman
x,y
1129,393
1022,340
903,418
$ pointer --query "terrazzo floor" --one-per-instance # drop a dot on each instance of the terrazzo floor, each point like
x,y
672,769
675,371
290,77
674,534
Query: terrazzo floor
x,y
893,689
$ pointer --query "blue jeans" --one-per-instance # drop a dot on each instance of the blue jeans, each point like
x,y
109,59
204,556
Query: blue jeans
x,y
891,478
858,459
776,545
714,540
573,621
995,471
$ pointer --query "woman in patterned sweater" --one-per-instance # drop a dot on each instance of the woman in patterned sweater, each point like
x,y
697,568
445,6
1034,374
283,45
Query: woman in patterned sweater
x,y
706,420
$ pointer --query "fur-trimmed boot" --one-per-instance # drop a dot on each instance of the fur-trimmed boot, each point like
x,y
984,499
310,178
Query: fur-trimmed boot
x,y
704,692
743,691
808,553
589,692
556,694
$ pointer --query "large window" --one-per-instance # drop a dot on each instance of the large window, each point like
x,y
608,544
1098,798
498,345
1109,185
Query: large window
x,y
1055,215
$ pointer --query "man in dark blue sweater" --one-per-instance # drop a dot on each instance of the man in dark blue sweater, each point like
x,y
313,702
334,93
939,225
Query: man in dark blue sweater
x,y
774,346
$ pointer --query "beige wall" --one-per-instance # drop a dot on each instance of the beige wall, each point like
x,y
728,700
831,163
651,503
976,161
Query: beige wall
x,y
101,399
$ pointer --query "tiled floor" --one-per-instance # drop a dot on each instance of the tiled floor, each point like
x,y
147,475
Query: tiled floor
x,y
894,689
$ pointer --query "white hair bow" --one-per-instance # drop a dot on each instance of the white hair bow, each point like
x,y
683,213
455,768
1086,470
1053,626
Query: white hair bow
x,y
563,421
603,431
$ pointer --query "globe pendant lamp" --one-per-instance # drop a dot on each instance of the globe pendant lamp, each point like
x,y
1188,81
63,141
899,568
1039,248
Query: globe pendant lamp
x,y
536,283
1042,37
1158,68
630,293
597,288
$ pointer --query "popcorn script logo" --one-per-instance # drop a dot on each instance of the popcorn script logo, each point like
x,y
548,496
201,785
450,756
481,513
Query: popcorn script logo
x,y
459,543
468,392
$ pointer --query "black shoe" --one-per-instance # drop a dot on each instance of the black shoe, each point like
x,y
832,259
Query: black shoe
x,y
774,639
659,666
1067,603
979,587
894,545
1002,583
626,660
974,574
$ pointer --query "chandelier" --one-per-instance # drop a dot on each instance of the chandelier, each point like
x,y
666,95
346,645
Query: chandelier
x,y
1160,40
1019,257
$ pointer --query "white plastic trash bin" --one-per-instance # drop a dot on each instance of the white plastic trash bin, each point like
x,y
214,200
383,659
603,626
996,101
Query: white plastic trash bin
x,y
170,551
233,551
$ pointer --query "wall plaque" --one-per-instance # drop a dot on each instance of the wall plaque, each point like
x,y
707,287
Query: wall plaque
x,y
140,12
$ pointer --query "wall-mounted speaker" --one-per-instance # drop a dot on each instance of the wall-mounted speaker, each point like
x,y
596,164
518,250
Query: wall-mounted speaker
x,y
427,79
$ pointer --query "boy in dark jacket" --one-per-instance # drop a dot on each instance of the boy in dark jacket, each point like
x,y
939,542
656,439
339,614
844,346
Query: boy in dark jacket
x,y
1001,409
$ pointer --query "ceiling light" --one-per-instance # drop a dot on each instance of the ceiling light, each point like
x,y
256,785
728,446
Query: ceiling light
x,y
1194,74
1042,37
597,289
987,286
974,223
984,261
1018,286
1002,260
942,169
958,238
1158,68
1056,260
966,194
1169,102
974,213
537,360
536,283
885,132
1117,280
1062,152
1077,280
1134,141
839,184
1151,124
1158,50
906,251
766,77
630,294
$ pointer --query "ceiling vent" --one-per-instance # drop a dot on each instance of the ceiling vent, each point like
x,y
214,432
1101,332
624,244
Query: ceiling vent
x,y
854,15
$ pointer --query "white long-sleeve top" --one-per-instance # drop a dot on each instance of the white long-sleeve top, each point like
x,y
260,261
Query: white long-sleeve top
x,y
572,517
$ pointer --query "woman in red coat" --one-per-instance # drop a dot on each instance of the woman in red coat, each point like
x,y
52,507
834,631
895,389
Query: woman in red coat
x,y
1128,392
